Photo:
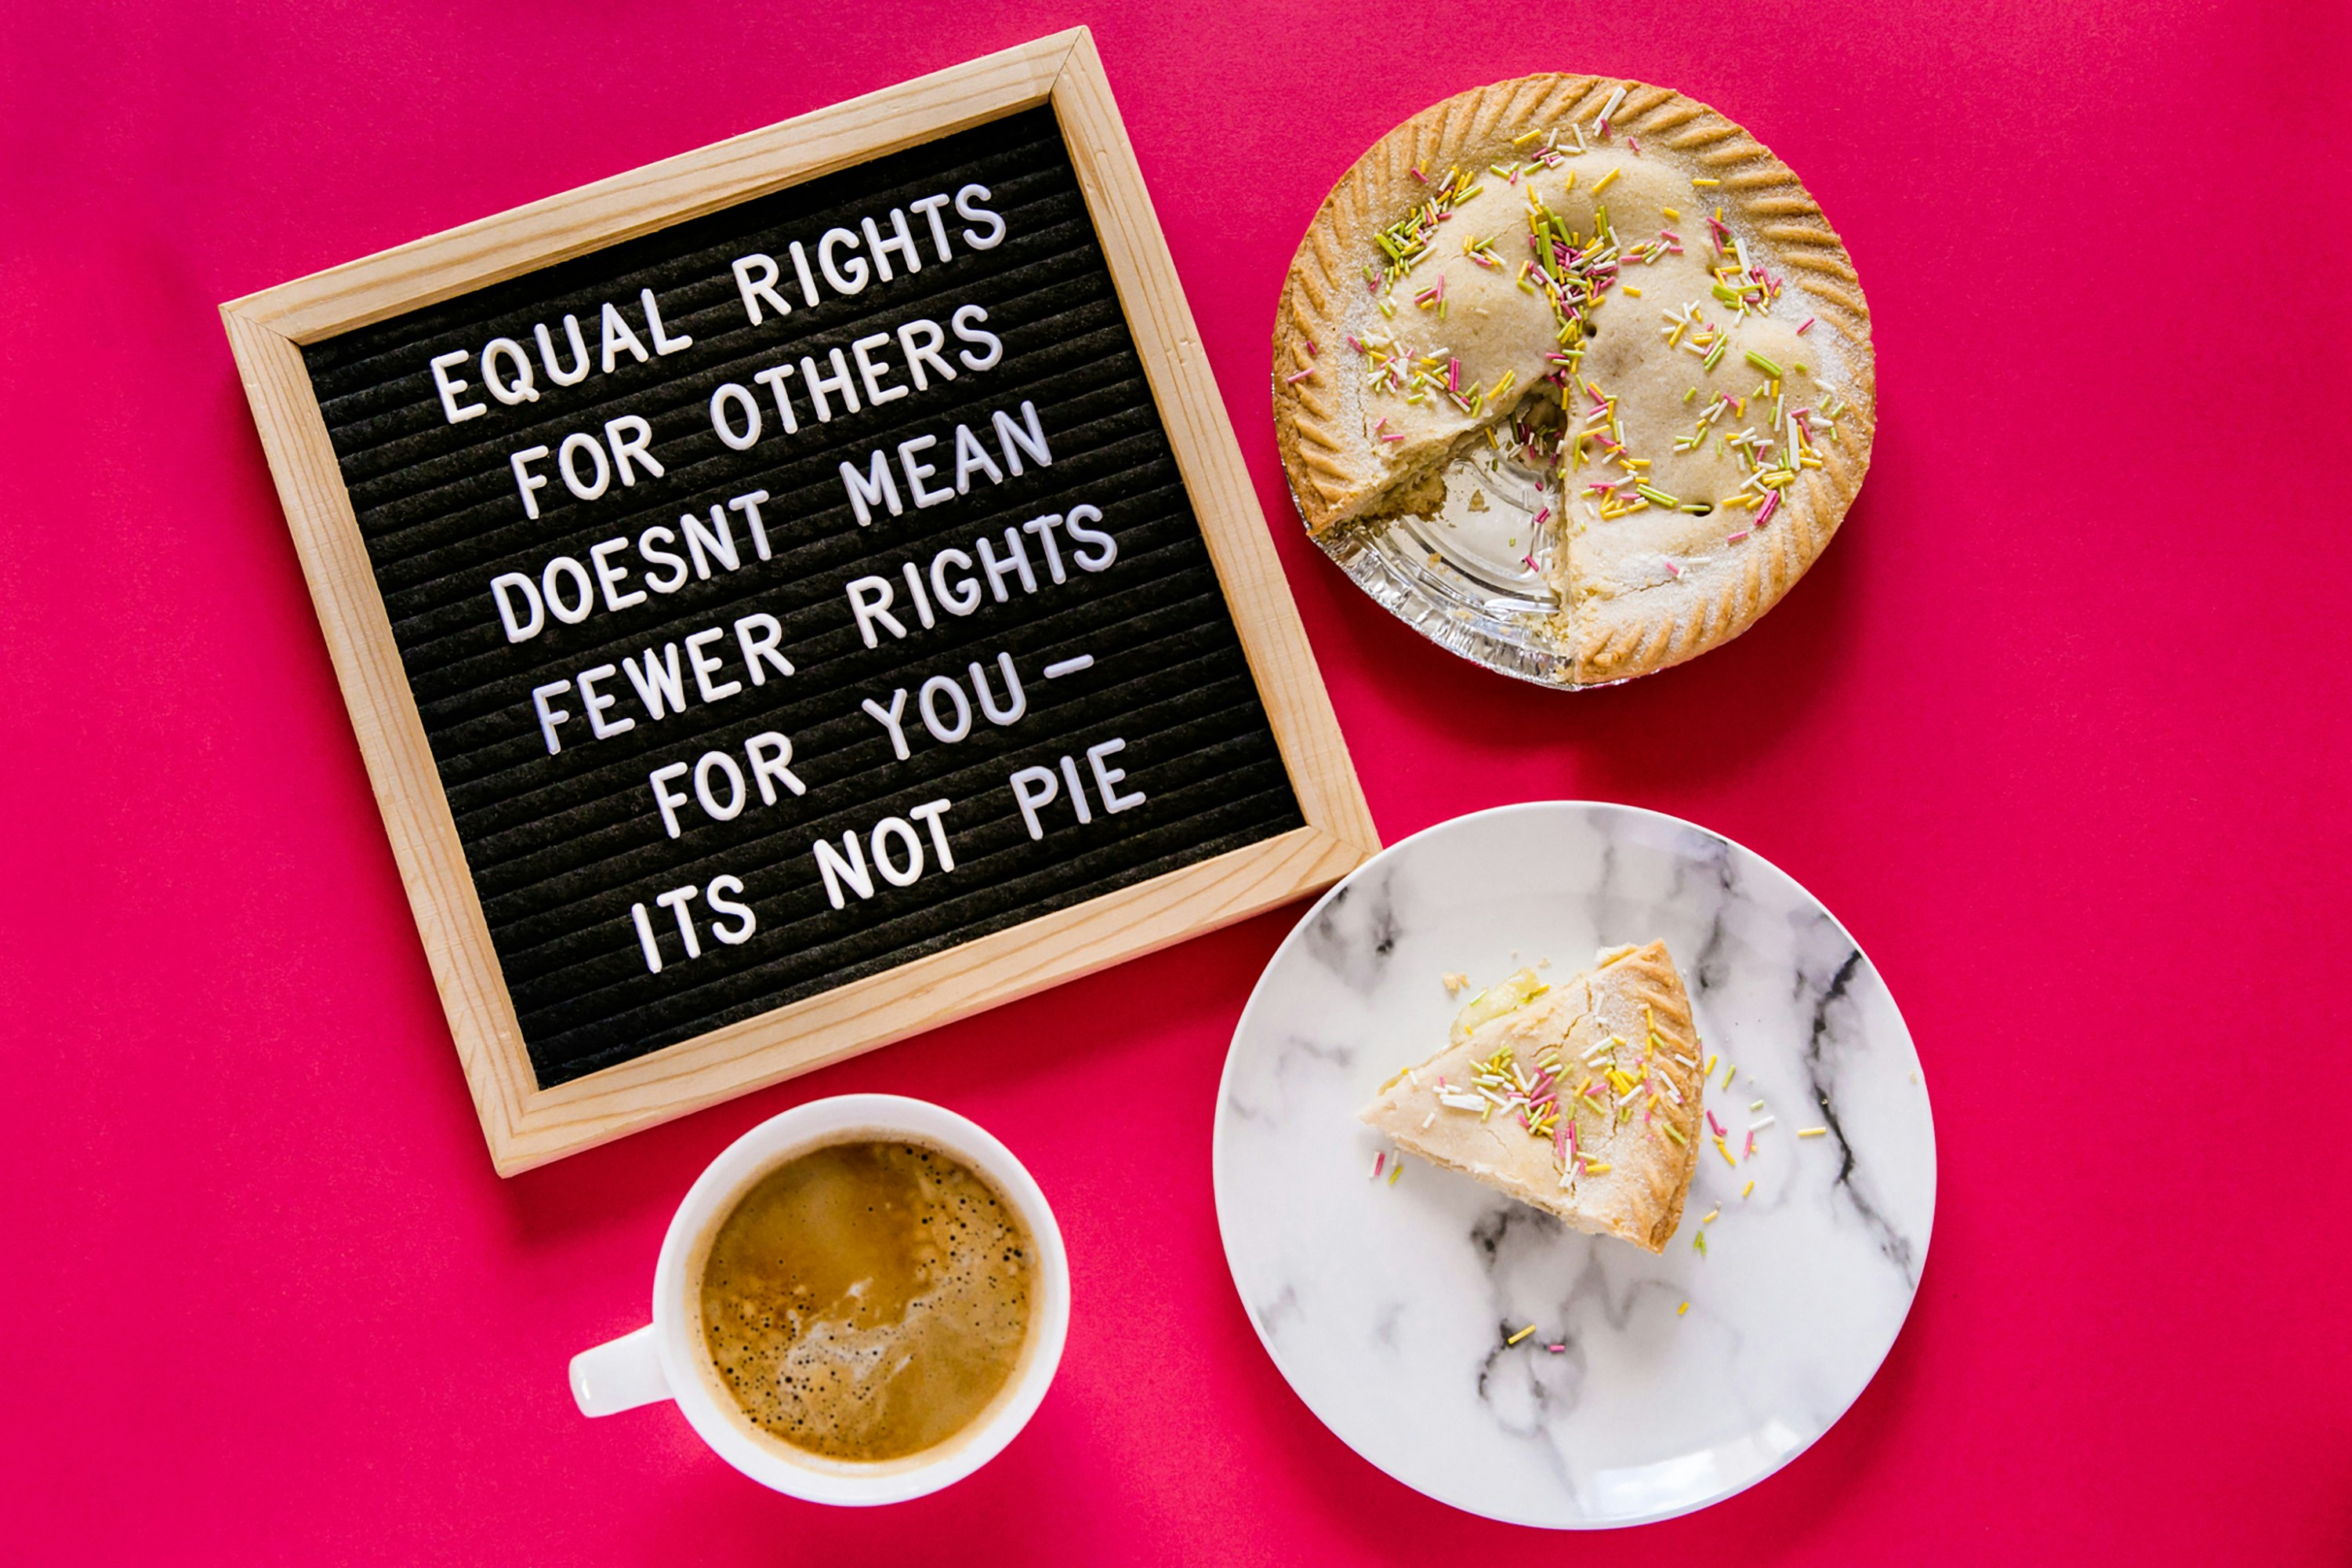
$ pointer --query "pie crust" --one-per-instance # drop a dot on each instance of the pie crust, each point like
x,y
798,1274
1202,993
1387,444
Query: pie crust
x,y
1629,1165
1650,585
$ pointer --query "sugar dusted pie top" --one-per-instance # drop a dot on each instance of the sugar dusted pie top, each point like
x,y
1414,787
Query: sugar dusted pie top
x,y
1626,291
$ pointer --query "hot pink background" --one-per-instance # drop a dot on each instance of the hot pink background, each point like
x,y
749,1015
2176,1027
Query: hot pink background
x,y
2059,728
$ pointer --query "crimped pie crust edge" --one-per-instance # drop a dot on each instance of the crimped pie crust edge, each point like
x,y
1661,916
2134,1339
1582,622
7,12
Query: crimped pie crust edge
x,y
1334,475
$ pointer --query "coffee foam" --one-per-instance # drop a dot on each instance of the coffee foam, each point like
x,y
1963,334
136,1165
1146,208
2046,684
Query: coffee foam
x,y
875,1301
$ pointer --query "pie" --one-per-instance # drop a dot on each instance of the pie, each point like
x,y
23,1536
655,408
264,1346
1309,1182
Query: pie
x,y
1582,1097
1624,295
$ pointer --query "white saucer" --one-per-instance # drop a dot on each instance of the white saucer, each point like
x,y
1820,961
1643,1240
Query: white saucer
x,y
1387,1307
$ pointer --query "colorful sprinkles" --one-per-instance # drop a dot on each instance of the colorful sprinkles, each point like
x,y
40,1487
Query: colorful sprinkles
x,y
1576,1100
1584,444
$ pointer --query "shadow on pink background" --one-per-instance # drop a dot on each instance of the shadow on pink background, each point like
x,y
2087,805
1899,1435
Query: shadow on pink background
x,y
2059,728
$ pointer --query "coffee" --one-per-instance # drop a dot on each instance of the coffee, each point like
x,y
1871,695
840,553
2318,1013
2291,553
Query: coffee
x,y
867,1299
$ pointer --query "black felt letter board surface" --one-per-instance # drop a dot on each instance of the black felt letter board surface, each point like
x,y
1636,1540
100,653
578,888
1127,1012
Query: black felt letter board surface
x,y
1054,657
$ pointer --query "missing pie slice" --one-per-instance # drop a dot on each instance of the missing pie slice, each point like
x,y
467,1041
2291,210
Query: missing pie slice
x,y
1580,1098
1622,297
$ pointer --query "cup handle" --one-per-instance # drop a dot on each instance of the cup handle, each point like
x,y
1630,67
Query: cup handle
x,y
619,1374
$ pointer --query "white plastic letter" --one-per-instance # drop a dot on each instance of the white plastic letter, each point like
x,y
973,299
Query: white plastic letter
x,y
522,389
748,503
801,266
619,335
595,702
892,719
525,481
919,341
941,730
718,896
876,485
660,685
869,601
579,371
897,827
971,458
900,241
718,538
929,813
755,279
564,566
816,385
631,437
1106,547
759,635
1034,788
918,470
1015,440
1106,778
878,390
967,207
929,208
922,600
674,565
838,868
705,667
747,415
963,321
663,343
848,280
778,768
676,900
1043,527
669,799
963,598
1016,560
565,463
610,577
451,386
517,630
1016,700
773,378
550,716
721,763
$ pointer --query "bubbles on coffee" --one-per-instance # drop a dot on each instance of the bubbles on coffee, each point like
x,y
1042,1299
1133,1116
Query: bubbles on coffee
x,y
867,1300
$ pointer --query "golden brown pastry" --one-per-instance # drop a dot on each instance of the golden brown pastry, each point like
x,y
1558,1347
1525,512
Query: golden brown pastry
x,y
1626,291
1580,1098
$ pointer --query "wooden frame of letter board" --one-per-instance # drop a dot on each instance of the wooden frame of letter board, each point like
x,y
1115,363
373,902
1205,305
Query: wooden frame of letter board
x,y
527,1125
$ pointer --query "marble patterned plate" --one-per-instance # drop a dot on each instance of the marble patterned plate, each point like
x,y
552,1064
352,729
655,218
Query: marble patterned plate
x,y
1389,1307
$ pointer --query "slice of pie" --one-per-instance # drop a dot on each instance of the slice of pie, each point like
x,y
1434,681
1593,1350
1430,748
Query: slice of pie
x,y
1619,296
1582,1097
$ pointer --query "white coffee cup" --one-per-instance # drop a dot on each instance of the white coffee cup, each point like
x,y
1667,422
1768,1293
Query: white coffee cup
x,y
665,1360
